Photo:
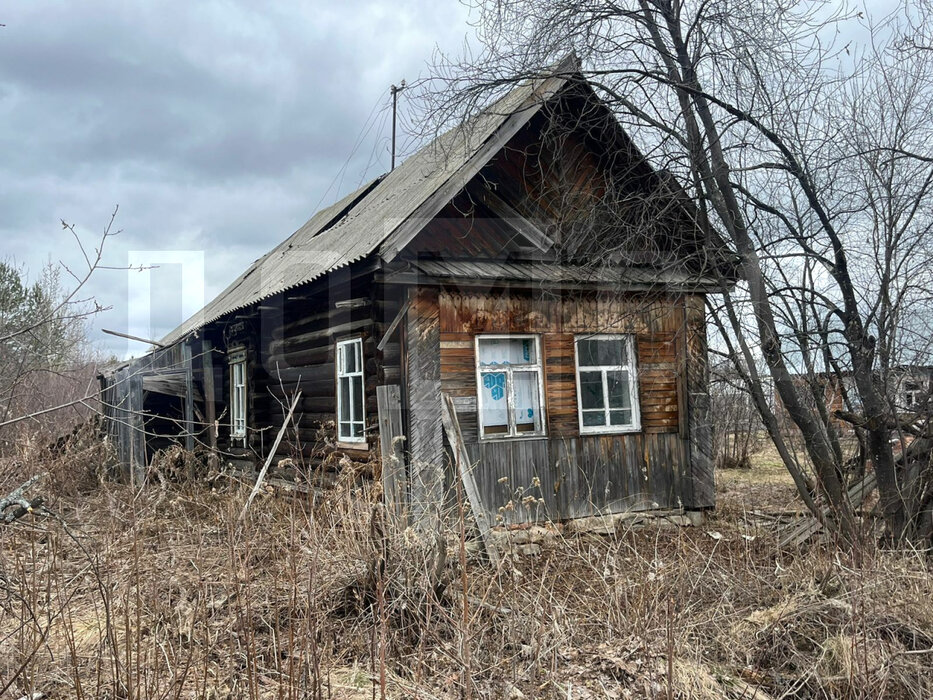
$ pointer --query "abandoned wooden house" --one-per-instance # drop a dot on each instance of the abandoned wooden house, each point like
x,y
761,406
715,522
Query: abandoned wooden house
x,y
520,304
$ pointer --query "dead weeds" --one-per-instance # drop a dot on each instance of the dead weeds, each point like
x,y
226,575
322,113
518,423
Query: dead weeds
x,y
162,594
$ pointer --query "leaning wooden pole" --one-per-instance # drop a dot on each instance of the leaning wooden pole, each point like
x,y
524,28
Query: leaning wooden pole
x,y
465,471
265,467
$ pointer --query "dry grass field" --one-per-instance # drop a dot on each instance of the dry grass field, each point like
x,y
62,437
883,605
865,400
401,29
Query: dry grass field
x,y
163,593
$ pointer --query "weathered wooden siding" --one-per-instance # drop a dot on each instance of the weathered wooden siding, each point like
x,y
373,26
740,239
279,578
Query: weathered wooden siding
x,y
124,404
566,474
702,486
560,168
657,323
427,464
291,345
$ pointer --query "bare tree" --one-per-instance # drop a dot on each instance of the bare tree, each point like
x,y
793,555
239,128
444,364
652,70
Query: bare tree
x,y
801,131
736,426
45,358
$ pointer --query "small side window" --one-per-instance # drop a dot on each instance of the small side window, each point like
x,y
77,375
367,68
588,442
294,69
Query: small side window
x,y
237,359
607,384
351,403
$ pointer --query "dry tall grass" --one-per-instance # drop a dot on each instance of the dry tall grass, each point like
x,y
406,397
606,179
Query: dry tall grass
x,y
164,594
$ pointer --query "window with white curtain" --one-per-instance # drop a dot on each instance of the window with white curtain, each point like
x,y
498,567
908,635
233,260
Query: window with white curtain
x,y
509,386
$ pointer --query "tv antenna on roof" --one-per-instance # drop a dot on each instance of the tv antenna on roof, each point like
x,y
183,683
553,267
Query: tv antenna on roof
x,y
395,90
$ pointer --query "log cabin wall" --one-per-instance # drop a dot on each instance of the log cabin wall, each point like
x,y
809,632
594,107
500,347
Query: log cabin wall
x,y
566,474
290,342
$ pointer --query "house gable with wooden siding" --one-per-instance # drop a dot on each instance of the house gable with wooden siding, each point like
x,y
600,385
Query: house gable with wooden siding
x,y
529,266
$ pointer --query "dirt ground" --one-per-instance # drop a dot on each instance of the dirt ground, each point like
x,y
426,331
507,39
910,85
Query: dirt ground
x,y
165,593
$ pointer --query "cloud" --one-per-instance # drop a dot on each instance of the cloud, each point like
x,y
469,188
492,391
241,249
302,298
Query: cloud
x,y
216,126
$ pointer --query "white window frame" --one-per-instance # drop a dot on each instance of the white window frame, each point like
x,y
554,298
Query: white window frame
x,y
631,368
509,371
912,396
238,393
342,373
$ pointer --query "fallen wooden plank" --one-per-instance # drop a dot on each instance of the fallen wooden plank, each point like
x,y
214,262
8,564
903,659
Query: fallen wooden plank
x,y
465,470
799,532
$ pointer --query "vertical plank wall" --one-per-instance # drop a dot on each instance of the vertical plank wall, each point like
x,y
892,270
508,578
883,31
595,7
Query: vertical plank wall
x,y
123,405
703,491
427,473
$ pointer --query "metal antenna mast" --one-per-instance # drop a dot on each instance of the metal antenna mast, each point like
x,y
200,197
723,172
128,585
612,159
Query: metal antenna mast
x,y
395,90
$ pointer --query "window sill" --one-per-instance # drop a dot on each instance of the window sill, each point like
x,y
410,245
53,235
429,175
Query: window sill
x,y
516,438
362,445
611,431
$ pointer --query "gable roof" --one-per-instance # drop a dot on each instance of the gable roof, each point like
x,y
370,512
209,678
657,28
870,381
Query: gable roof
x,y
386,213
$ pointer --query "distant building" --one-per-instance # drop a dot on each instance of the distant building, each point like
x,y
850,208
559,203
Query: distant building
x,y
909,391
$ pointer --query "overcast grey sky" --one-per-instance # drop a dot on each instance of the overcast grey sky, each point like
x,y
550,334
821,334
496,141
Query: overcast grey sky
x,y
216,126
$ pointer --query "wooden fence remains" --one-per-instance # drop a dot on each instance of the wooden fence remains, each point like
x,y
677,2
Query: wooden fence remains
x,y
391,442
802,530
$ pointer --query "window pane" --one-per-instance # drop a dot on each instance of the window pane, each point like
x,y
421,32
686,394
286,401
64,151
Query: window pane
x,y
527,402
507,351
591,390
356,430
344,399
493,401
587,353
238,398
611,352
350,357
357,395
592,419
617,384
622,417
